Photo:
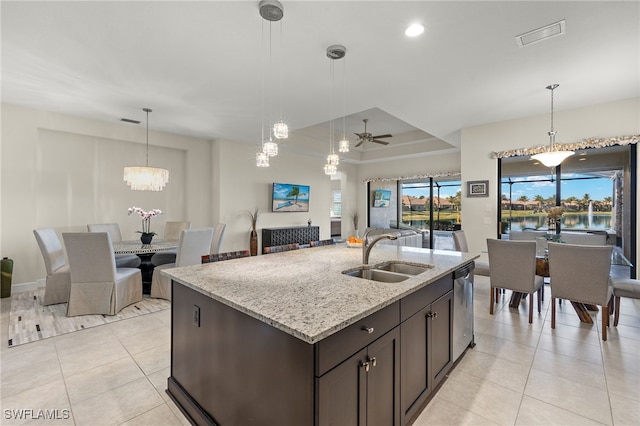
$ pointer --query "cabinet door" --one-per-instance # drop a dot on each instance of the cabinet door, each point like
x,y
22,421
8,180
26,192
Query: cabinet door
x,y
414,371
342,393
383,380
441,332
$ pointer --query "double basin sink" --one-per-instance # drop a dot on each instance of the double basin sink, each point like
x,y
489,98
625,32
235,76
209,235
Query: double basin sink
x,y
389,272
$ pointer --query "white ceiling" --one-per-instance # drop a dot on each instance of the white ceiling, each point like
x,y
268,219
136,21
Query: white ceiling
x,y
198,65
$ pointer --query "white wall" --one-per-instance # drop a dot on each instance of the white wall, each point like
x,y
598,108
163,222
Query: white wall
x,y
244,187
620,118
65,172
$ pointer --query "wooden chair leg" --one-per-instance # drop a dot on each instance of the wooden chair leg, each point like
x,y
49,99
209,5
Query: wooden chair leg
x,y
553,312
617,311
491,292
530,308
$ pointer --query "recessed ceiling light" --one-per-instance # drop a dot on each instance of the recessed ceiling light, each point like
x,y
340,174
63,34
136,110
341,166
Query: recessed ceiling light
x,y
414,30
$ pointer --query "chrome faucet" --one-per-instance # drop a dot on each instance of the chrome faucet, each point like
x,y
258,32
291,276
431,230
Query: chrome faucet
x,y
366,246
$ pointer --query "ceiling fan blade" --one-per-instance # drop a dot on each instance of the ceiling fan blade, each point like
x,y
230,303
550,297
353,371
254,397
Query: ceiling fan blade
x,y
359,143
382,136
380,142
359,135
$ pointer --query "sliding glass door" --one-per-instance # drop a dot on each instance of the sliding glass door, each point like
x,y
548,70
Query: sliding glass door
x,y
431,206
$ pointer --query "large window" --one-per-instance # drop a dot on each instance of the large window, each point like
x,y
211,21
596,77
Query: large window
x,y
594,188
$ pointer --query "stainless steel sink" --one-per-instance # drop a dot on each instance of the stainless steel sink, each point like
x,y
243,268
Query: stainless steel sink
x,y
376,275
403,267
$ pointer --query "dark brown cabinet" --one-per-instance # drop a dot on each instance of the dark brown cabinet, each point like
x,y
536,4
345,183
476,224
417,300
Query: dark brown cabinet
x,y
426,347
364,389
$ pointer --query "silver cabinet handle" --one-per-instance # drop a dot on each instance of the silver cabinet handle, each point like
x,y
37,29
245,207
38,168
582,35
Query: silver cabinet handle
x,y
365,365
373,361
367,329
433,315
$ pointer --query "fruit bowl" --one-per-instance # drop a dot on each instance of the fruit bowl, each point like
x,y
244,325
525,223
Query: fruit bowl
x,y
354,245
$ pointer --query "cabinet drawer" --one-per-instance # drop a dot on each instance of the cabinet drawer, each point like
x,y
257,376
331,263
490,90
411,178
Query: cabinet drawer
x,y
425,296
341,345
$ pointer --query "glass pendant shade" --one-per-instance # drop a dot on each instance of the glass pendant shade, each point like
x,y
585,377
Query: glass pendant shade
x,y
343,146
144,178
262,159
330,169
552,158
280,130
270,148
333,159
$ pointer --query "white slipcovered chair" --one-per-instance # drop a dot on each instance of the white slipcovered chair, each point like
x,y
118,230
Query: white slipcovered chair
x,y
58,281
581,274
122,260
460,244
97,286
513,266
218,233
171,232
194,243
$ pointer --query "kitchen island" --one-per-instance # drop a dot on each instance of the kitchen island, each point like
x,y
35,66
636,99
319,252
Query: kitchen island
x,y
288,338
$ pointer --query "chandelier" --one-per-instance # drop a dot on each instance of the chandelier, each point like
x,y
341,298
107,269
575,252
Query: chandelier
x,y
145,178
553,157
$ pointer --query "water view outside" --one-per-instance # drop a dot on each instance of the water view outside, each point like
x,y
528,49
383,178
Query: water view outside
x,y
569,221
587,201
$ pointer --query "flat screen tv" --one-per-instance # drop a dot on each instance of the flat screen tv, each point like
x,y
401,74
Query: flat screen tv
x,y
287,197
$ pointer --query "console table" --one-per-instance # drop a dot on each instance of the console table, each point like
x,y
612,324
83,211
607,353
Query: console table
x,y
290,235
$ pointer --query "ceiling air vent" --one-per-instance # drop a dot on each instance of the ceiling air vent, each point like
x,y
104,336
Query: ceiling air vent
x,y
544,33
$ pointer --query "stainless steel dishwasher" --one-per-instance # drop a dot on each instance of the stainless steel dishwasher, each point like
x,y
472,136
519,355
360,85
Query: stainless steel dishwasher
x,y
463,309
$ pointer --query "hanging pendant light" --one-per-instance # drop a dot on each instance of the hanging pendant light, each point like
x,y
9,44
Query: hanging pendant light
x,y
145,178
333,52
343,145
553,157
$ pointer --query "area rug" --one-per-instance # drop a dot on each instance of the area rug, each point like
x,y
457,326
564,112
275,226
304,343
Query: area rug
x,y
30,320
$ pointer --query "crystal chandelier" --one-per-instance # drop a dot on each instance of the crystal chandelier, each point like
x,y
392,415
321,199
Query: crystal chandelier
x,y
145,178
553,157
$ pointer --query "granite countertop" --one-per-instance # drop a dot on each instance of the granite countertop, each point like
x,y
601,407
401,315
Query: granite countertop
x,y
304,293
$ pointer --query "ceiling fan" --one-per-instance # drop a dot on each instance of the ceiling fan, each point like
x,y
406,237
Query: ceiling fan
x,y
367,137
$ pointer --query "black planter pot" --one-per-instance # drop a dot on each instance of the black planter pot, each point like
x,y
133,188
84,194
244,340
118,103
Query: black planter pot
x,y
146,238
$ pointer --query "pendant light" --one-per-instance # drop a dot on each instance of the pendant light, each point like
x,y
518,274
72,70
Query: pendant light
x,y
145,178
334,52
343,145
553,157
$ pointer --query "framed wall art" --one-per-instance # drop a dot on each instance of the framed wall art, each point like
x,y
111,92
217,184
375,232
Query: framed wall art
x,y
477,188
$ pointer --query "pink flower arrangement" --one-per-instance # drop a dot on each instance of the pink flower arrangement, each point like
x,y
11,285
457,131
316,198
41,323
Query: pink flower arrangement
x,y
146,218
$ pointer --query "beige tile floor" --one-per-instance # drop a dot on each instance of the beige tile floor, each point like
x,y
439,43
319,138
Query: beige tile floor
x,y
518,374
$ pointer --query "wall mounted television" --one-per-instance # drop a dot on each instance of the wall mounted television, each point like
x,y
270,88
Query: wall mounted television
x,y
287,197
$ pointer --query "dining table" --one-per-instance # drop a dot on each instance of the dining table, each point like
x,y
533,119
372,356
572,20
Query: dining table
x,y
145,252
620,268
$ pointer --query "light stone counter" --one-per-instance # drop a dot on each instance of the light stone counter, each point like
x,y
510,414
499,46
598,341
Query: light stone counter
x,y
304,293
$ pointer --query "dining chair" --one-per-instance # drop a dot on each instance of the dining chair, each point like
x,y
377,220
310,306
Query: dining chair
x,y
194,243
171,232
581,274
513,266
58,281
218,233
113,229
460,244
624,287
97,285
